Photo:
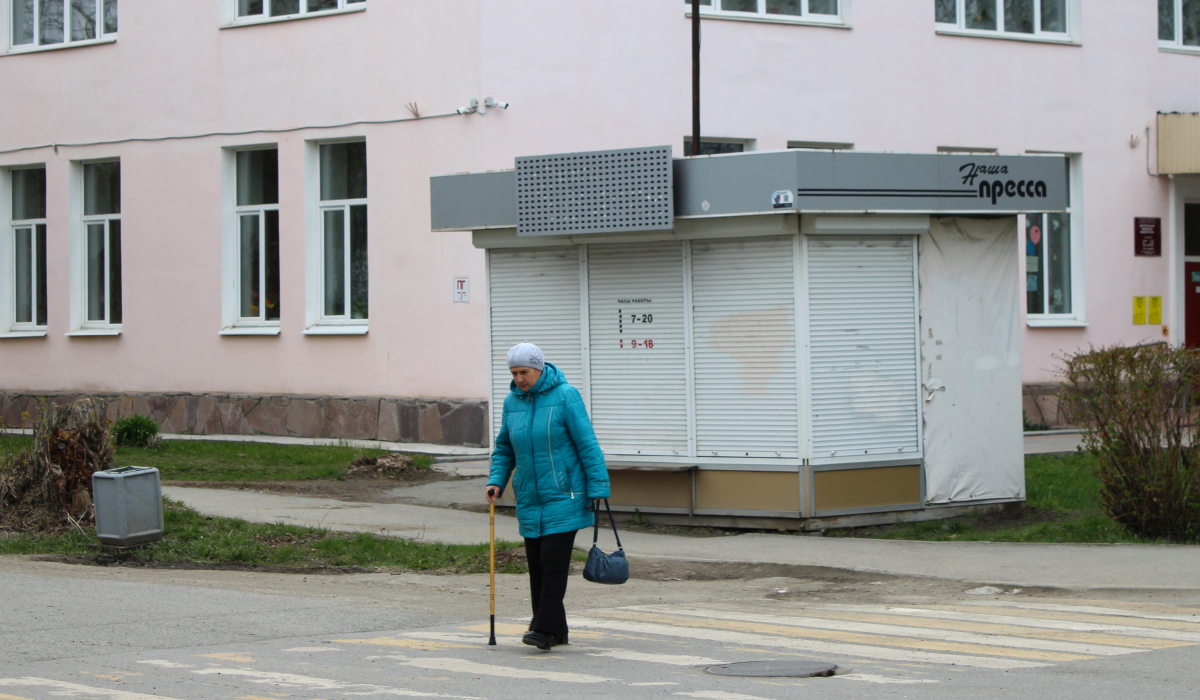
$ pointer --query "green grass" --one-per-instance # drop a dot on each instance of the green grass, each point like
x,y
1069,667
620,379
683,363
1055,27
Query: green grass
x,y
1062,493
194,538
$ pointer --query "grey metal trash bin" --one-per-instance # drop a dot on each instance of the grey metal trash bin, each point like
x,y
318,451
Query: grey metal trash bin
x,y
128,506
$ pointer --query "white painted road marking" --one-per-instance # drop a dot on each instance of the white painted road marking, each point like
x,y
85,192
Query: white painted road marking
x,y
290,680
674,660
65,689
464,666
887,680
720,695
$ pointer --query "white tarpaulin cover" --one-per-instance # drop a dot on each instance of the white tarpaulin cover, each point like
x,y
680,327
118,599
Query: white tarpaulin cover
x,y
971,360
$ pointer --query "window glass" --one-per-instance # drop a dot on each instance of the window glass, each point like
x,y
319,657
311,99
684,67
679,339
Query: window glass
x,y
784,7
1191,229
83,20
114,271
1058,262
1018,16
258,177
22,22
1191,22
50,21
110,16
343,171
739,5
945,11
249,266
1034,242
102,188
358,262
1054,16
23,250
702,2
41,274
319,5
708,148
284,7
335,262
248,8
95,271
272,265
29,194
823,7
980,14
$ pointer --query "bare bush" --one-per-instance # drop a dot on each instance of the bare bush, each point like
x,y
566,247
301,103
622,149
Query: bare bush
x,y
1137,409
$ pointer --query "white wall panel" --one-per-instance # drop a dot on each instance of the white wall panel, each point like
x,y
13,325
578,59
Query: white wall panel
x,y
743,301
863,315
637,345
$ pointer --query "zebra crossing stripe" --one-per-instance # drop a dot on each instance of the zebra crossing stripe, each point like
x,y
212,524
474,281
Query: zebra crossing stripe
x,y
1186,627
848,637
76,689
854,651
474,668
1192,619
906,631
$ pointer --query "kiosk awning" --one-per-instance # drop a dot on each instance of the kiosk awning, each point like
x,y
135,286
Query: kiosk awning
x,y
1178,143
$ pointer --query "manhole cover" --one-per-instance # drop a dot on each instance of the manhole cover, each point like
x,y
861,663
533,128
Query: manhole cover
x,y
775,669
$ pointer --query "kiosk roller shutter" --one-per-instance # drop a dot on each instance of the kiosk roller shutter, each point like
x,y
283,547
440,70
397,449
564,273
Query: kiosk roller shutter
x,y
637,349
534,297
744,320
862,324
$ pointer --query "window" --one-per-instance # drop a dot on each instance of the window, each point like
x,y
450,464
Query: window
x,y
26,249
261,9
1034,19
45,23
1179,24
343,220
818,11
102,244
1052,241
709,147
821,145
257,228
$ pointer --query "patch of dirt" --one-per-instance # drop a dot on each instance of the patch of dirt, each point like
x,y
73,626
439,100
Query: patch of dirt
x,y
393,465
364,490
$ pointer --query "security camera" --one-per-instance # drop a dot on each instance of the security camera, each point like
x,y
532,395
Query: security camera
x,y
470,108
489,102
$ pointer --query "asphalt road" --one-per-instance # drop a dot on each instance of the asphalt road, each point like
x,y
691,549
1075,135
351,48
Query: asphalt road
x,y
138,634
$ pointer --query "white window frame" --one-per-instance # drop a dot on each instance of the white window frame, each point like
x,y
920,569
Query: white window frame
x,y
230,18
1077,318
713,11
1176,45
80,325
9,327
1071,36
232,321
8,47
316,322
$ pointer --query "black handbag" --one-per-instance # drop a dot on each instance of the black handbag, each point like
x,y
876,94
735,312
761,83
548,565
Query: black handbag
x,y
606,568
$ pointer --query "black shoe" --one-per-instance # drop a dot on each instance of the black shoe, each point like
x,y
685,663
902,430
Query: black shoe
x,y
539,640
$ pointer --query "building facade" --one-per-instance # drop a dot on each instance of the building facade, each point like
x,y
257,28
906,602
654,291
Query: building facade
x,y
218,211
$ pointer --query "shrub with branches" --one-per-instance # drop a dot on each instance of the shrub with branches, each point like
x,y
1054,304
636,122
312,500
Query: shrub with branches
x,y
1137,408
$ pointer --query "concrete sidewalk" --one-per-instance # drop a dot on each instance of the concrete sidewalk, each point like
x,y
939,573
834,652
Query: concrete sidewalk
x,y
1010,564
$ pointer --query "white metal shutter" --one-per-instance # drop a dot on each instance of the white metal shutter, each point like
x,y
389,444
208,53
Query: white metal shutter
x,y
534,297
638,354
863,335
744,316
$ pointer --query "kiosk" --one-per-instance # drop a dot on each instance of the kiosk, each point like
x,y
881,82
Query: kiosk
x,y
796,339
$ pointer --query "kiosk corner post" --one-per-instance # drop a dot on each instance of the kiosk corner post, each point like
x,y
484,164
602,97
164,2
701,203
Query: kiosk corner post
x,y
492,569
695,78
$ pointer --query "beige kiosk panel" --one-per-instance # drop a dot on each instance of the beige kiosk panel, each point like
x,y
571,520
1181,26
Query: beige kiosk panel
x,y
651,489
867,488
739,490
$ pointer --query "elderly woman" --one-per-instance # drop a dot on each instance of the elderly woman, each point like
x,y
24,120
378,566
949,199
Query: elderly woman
x,y
547,446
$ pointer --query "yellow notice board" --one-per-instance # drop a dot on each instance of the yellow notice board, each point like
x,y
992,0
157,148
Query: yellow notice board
x,y
1139,311
1154,311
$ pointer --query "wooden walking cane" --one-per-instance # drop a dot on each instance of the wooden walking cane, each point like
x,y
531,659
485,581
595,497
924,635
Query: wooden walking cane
x,y
492,567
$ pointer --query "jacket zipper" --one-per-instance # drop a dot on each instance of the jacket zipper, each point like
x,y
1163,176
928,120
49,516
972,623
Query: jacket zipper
x,y
553,470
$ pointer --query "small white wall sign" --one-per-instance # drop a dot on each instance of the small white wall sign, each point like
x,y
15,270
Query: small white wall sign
x,y
462,289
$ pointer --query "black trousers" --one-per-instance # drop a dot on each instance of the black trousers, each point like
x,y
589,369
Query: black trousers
x,y
549,559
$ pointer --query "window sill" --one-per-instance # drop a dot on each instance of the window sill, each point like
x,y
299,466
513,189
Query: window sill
x,y
1006,36
95,332
247,22
356,329
833,24
1052,322
250,330
24,334
19,50
1176,48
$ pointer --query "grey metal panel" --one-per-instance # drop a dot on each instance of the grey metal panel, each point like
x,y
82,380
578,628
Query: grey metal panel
x,y
595,192
875,464
473,201
128,503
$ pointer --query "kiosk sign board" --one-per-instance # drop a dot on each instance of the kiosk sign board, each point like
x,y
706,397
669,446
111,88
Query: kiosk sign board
x,y
1147,237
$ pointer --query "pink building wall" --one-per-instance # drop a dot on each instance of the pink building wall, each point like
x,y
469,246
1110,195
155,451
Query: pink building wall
x,y
579,76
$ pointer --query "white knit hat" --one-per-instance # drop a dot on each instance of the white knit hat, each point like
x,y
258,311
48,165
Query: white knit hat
x,y
526,355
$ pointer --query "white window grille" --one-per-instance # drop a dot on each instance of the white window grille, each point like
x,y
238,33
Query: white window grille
x,y
39,24
1047,20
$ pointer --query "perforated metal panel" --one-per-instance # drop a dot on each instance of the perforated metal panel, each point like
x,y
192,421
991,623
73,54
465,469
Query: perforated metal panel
x,y
597,192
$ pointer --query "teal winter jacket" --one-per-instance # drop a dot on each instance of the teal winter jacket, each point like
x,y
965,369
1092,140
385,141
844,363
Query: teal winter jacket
x,y
547,446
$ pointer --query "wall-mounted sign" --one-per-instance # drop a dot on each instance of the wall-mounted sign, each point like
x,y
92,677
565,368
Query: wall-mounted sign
x,y
1139,311
1154,311
1147,237
462,289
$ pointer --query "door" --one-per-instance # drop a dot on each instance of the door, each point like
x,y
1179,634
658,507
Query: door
x,y
1191,274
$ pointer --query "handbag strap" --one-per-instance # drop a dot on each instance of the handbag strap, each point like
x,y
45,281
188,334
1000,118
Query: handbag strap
x,y
596,528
